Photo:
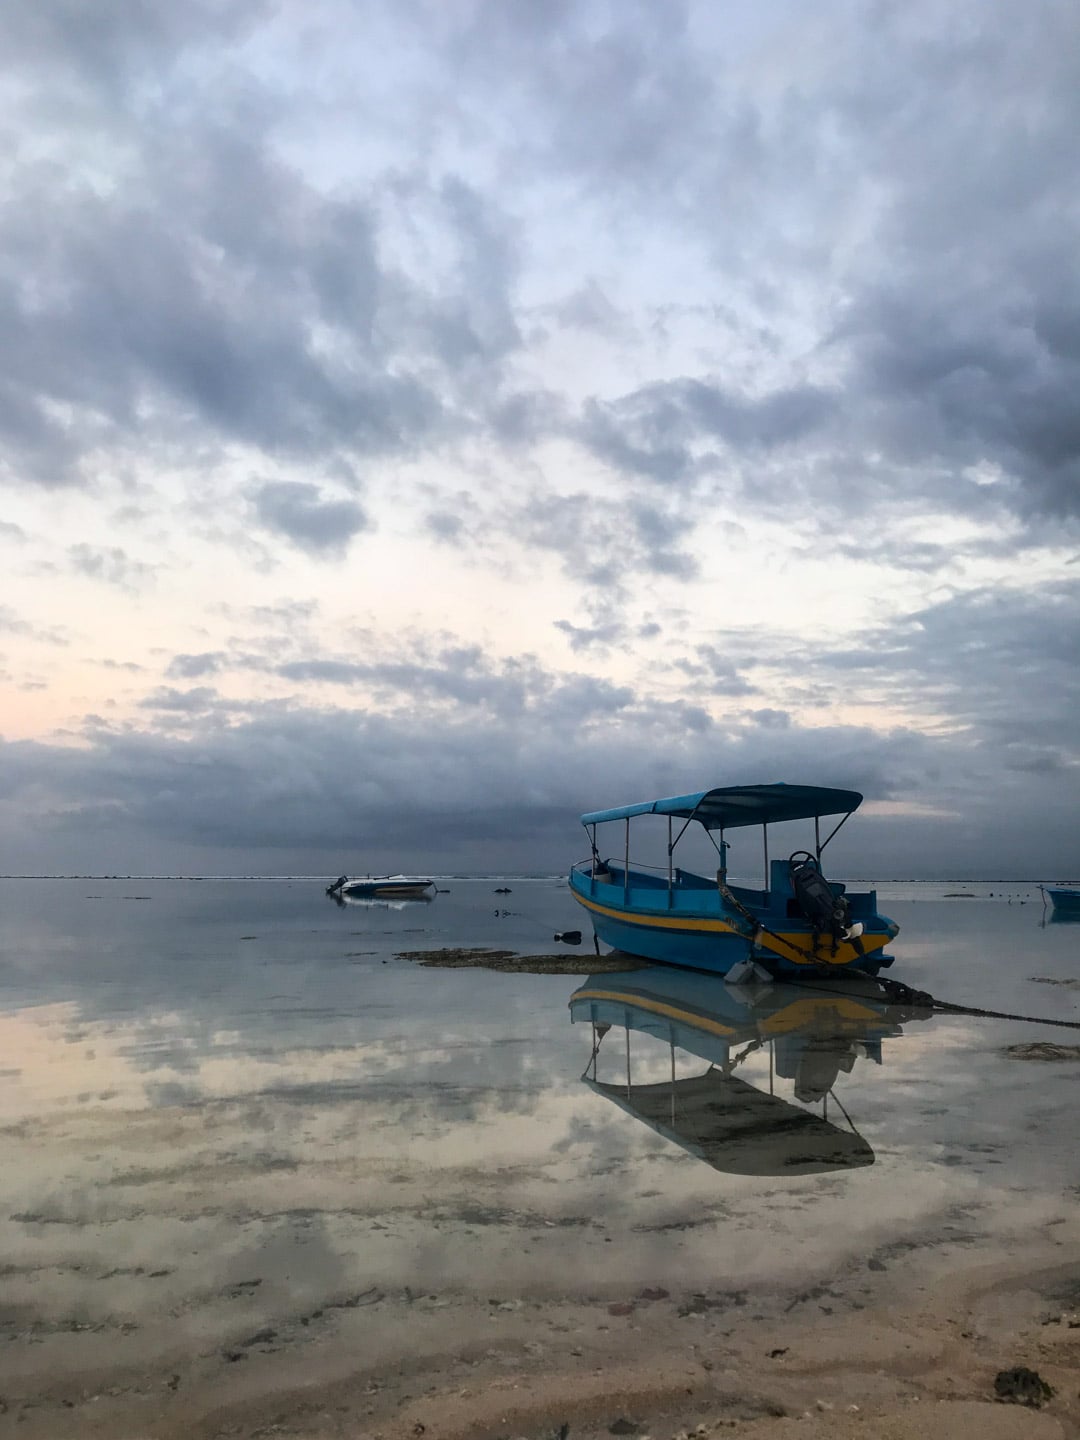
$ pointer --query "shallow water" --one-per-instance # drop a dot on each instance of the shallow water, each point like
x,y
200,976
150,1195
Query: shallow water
x,y
227,1109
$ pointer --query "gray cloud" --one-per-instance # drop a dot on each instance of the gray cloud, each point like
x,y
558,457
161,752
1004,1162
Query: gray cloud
x,y
946,336
448,790
616,105
13,623
300,512
950,334
119,40
192,667
605,541
589,637
1000,662
589,308
624,267
109,563
657,431
980,384
185,302
292,616
716,670
409,777
771,719
465,677
196,701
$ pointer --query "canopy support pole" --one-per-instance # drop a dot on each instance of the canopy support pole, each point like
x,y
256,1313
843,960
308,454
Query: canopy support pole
x,y
817,838
834,830
626,865
670,880
765,842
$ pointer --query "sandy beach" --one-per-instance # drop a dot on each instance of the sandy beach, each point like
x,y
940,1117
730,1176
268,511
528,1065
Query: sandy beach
x,y
902,1343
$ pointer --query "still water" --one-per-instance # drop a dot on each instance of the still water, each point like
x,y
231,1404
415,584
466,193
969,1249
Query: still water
x,y
229,1104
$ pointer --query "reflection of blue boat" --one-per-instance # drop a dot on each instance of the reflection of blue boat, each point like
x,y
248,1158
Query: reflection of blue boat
x,y
800,920
812,1037
1064,898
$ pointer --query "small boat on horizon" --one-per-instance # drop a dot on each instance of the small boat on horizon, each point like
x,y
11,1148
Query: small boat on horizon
x,y
383,887
1064,898
797,923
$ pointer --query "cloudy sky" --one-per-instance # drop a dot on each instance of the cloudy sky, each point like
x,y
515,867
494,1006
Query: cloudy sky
x,y
424,420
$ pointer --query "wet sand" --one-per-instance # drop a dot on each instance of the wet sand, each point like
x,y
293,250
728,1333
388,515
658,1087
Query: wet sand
x,y
904,1342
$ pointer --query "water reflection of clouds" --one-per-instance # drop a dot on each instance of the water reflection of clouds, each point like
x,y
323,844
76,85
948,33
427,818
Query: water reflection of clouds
x,y
53,1065
184,1082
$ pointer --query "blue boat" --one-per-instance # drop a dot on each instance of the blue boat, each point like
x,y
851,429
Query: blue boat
x,y
797,923
812,1037
1064,898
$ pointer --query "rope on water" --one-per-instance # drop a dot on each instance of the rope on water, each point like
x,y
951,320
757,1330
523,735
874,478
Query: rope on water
x,y
902,994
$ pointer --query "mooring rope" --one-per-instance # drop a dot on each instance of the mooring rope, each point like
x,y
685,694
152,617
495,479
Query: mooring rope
x,y
903,994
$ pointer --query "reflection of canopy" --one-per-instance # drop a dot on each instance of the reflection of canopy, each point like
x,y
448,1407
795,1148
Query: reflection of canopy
x,y
739,1130
735,805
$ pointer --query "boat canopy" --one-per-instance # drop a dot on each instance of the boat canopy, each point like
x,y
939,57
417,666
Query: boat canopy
x,y
735,805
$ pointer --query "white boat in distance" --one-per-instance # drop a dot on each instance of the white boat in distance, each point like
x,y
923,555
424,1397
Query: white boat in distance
x,y
383,887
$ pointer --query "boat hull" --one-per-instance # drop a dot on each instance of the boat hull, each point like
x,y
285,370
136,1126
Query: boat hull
x,y
698,930
388,889
1065,901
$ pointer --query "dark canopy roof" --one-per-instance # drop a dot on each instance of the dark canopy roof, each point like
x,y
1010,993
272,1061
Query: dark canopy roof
x,y
735,805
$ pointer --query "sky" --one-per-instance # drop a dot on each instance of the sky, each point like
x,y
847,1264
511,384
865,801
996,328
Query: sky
x,y
423,421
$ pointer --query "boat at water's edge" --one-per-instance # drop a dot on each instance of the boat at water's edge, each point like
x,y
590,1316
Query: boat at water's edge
x,y
798,922
1064,898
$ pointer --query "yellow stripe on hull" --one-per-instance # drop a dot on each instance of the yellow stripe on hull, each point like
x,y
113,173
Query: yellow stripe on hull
x,y
779,942
657,1007
661,922
799,1015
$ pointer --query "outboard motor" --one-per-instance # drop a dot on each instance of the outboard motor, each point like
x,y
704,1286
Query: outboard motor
x,y
828,913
